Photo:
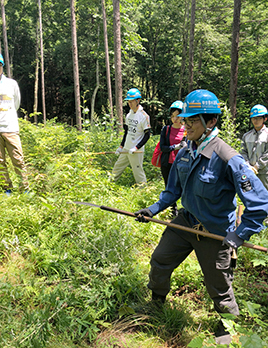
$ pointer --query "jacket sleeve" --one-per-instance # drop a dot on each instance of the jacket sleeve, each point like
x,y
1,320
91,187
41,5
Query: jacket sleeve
x,y
164,142
171,193
253,195
244,150
263,160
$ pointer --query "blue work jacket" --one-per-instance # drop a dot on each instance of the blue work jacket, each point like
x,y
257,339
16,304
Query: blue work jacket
x,y
207,186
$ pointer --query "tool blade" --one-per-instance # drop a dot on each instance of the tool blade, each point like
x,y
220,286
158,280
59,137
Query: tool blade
x,y
86,203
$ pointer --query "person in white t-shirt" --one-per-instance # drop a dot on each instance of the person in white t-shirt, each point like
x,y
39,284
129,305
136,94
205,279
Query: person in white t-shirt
x,y
9,132
137,132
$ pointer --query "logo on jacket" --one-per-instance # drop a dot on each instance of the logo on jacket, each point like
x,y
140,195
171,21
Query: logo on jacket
x,y
246,186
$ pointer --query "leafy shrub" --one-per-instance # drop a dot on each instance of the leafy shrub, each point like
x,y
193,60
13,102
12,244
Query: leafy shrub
x,y
68,270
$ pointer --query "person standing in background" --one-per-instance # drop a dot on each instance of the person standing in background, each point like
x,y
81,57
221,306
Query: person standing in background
x,y
255,144
9,132
137,132
172,139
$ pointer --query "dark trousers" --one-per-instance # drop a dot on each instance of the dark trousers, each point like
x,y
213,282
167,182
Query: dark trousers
x,y
173,248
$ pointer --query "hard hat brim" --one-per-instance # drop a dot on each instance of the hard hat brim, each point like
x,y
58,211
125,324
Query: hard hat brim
x,y
189,114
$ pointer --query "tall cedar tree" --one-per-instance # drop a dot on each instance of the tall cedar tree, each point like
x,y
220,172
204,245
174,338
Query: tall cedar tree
x,y
75,67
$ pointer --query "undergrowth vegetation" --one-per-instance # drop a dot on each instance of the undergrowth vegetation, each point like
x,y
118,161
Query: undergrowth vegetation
x,y
75,276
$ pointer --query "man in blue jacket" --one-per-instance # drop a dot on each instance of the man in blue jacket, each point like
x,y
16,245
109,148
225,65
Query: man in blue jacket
x,y
206,175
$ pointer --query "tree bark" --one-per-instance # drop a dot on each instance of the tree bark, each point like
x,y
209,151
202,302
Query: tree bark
x,y
191,48
75,67
184,45
234,57
117,62
7,64
97,83
35,106
42,63
107,62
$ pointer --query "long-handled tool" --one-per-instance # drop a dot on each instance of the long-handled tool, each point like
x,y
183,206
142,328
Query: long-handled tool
x,y
111,152
170,224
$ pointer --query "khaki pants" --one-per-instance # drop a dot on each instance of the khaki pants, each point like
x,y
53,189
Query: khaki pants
x,y
136,162
11,142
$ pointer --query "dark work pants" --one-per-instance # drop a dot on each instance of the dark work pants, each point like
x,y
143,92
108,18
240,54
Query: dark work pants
x,y
175,245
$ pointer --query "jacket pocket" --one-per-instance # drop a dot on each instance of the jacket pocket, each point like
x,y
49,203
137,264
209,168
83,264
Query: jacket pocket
x,y
208,184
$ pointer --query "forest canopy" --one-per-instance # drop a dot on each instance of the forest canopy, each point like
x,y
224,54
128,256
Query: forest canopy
x,y
155,51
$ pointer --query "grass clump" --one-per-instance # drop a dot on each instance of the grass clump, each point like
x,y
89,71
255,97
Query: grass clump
x,y
74,276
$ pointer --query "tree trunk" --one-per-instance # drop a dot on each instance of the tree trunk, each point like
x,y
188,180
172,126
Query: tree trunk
x,y
42,63
191,48
234,57
184,45
75,67
7,64
117,62
36,75
108,75
97,83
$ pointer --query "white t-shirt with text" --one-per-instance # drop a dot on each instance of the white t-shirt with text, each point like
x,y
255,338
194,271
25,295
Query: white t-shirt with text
x,y
137,123
9,104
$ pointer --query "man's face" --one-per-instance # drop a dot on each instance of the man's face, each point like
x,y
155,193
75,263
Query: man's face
x,y
194,127
258,122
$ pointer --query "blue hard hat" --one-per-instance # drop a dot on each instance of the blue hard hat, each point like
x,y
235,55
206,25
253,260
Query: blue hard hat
x,y
2,59
200,101
133,93
258,110
176,105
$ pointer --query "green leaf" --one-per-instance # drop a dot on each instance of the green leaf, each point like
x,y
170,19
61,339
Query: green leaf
x,y
258,262
251,341
125,310
252,307
197,342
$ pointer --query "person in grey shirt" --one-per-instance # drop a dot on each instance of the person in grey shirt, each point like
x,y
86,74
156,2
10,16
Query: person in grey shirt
x,y
255,144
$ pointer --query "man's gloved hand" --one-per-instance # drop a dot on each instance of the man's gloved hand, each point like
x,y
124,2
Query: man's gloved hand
x,y
119,150
143,212
232,240
131,151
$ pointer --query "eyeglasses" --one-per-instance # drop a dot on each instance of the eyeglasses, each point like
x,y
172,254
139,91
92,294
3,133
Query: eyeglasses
x,y
190,121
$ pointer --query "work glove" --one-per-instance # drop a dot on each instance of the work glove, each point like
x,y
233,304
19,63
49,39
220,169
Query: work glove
x,y
180,145
118,151
232,240
183,143
177,146
132,150
143,212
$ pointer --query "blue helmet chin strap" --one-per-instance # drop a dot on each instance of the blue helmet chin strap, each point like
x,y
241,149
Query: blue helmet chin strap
x,y
203,136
